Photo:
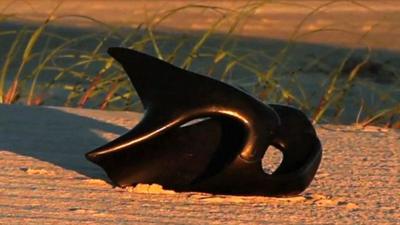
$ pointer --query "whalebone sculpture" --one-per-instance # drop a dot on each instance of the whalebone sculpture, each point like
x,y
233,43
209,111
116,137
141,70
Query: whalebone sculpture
x,y
200,134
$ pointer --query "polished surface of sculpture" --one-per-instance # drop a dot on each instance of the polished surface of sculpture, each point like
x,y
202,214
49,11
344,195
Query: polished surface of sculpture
x,y
200,134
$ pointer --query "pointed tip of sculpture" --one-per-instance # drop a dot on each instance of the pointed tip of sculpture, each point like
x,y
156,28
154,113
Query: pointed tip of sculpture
x,y
115,50
126,55
91,156
118,53
98,153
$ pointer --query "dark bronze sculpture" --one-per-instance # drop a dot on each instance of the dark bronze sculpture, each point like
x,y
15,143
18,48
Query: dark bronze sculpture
x,y
200,134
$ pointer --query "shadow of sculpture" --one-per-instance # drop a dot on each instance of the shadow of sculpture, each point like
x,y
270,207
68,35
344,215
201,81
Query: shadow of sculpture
x,y
53,135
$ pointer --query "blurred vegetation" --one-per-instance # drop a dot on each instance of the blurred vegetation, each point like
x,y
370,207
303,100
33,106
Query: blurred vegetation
x,y
53,65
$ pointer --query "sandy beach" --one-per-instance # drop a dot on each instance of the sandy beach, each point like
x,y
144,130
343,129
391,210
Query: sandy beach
x,y
46,180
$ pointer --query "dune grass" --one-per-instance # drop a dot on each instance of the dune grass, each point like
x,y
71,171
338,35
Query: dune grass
x,y
40,66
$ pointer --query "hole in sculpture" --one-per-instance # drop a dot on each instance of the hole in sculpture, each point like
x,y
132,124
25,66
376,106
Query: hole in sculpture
x,y
271,160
